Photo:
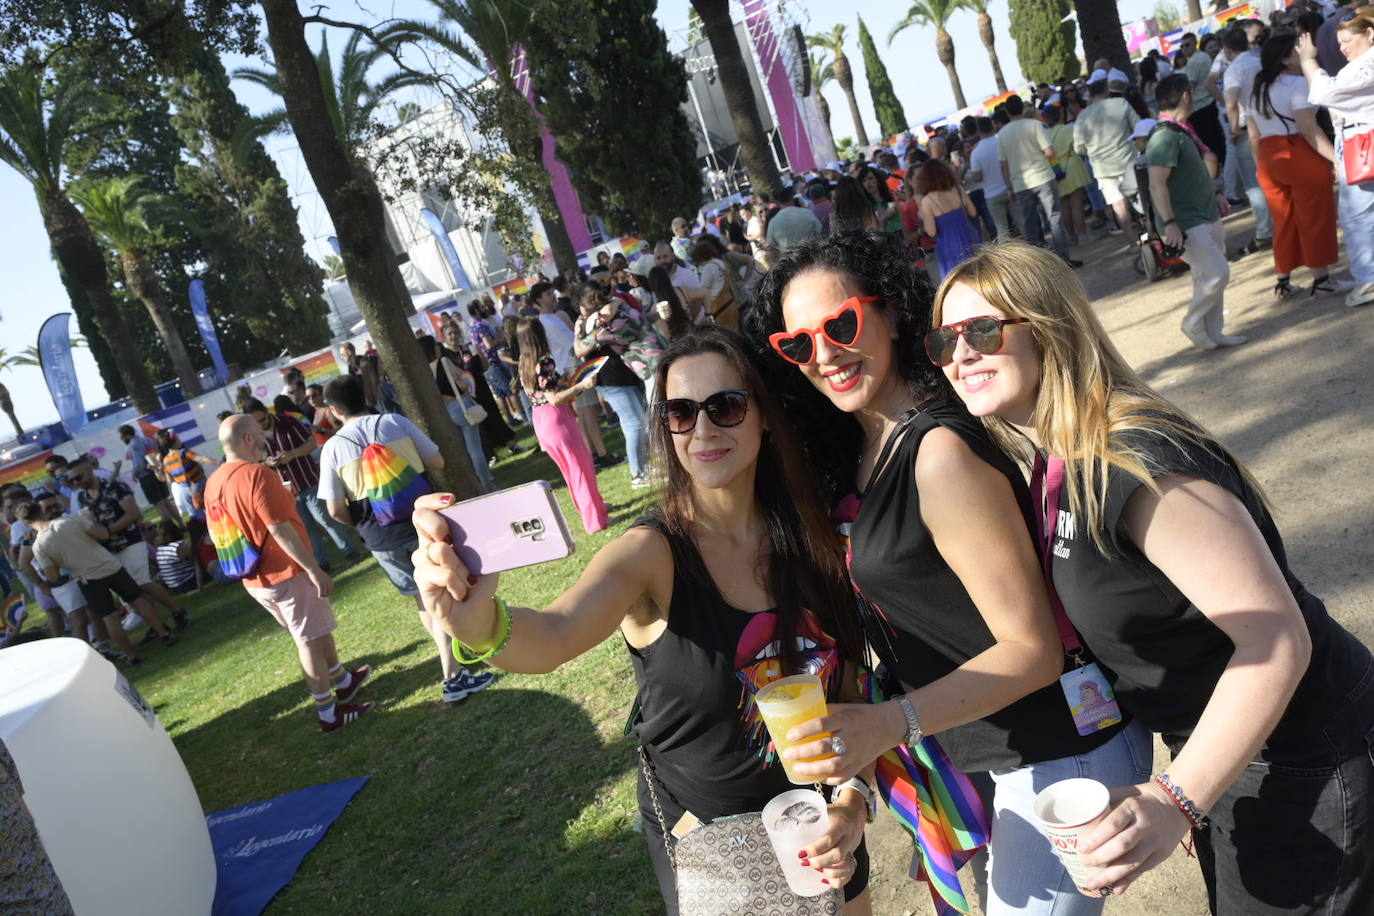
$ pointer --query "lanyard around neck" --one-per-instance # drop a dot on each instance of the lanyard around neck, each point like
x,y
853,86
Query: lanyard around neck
x,y
1047,482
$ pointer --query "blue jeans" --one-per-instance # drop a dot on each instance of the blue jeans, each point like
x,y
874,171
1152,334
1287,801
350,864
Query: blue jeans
x,y
1023,874
472,439
1249,180
624,400
1356,207
980,203
309,505
1044,198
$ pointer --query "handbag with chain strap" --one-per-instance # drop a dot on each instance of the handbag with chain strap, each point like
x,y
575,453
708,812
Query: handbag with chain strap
x,y
728,866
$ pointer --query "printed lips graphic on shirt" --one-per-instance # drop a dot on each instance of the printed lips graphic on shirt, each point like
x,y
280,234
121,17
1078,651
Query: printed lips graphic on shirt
x,y
758,663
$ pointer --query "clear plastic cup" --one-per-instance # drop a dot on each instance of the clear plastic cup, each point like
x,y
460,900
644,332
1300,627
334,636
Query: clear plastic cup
x,y
787,702
1069,810
795,820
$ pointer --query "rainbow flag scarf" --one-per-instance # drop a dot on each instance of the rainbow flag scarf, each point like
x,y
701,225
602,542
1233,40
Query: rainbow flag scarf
x,y
13,612
238,558
390,484
937,805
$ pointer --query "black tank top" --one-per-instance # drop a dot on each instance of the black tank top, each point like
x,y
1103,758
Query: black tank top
x,y
934,627
696,682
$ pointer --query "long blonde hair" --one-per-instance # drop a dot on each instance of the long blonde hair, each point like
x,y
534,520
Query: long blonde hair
x,y
1089,396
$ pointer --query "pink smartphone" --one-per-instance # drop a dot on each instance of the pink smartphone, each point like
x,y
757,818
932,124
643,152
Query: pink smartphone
x,y
519,526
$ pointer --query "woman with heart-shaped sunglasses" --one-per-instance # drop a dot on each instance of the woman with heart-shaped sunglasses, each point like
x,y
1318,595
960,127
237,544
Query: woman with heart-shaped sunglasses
x,y
941,553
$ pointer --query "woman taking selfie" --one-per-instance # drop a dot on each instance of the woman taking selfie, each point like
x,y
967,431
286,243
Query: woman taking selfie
x,y
738,557
941,549
1168,562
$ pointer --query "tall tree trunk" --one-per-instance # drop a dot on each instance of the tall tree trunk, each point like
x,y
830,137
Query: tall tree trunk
x,y
7,407
739,97
824,106
1194,11
143,280
560,243
989,39
844,75
355,206
79,254
1099,22
944,49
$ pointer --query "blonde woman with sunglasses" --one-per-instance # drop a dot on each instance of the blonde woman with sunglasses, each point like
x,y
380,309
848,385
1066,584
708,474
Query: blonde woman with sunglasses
x,y
941,550
1165,556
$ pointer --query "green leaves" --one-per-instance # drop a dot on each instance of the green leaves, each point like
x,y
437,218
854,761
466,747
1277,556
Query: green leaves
x,y
891,117
1045,44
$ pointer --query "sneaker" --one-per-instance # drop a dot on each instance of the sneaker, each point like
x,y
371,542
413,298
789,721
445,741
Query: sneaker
x,y
639,482
1360,295
148,637
1231,340
360,676
1113,229
181,620
1201,341
345,715
130,660
464,685
516,448
608,460
169,640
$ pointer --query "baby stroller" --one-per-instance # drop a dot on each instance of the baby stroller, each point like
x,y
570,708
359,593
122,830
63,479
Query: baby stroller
x,y
1155,261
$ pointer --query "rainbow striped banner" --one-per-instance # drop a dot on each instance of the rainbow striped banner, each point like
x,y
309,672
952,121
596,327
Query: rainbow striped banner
x,y
1244,11
28,471
317,368
937,805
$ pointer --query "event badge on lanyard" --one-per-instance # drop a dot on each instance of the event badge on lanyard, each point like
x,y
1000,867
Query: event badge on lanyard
x,y
1091,699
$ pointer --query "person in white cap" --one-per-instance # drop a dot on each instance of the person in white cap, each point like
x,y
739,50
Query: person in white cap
x,y
1103,133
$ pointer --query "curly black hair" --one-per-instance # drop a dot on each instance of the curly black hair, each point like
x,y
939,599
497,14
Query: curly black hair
x,y
879,265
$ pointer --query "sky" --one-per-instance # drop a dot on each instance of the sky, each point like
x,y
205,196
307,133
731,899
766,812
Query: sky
x,y
31,290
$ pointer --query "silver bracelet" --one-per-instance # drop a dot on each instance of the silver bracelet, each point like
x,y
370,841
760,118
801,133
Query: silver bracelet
x,y
914,734
1181,801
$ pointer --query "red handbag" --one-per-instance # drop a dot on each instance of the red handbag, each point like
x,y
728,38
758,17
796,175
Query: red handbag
x,y
1358,152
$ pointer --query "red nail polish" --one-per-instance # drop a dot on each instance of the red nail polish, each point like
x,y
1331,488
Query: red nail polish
x,y
446,498
806,862
802,854
825,880
472,580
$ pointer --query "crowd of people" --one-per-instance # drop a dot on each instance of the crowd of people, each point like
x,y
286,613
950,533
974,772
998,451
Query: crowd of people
x,y
883,423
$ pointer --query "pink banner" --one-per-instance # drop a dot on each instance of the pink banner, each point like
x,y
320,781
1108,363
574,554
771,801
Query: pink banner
x,y
564,194
1137,33
791,124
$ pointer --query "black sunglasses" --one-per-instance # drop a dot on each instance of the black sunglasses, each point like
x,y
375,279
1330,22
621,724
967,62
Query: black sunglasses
x,y
983,333
725,408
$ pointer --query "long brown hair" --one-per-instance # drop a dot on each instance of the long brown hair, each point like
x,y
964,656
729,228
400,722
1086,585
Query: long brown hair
x,y
805,559
1090,399
534,345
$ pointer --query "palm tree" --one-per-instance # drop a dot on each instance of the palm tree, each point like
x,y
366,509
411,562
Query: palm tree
x,y
1099,22
844,74
118,210
986,34
351,99
485,34
36,123
1194,9
822,72
936,13
23,358
334,269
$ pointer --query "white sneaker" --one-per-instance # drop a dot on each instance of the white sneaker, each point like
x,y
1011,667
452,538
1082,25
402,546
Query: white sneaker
x,y
1201,341
638,482
1231,340
1360,295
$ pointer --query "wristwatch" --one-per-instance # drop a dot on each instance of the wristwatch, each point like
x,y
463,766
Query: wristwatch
x,y
913,725
860,785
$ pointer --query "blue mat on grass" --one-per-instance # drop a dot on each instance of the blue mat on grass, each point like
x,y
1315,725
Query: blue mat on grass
x,y
259,846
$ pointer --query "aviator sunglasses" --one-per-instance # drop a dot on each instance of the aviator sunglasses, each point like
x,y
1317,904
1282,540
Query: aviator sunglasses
x,y
984,335
725,408
841,328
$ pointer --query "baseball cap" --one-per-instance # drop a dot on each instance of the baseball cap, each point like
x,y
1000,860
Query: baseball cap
x,y
1143,128
834,167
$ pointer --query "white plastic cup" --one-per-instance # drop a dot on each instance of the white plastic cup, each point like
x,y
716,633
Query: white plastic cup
x,y
1068,810
789,834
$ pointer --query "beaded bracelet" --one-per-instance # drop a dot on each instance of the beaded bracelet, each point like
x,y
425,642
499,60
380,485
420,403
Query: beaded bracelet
x,y
507,624
1182,802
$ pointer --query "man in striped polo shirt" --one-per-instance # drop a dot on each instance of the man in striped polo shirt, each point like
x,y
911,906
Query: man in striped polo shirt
x,y
291,446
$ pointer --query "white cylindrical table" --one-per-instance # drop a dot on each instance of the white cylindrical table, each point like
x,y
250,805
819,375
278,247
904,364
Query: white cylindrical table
x,y
113,802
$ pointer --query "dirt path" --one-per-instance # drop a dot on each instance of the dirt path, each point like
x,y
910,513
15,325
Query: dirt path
x,y
1297,405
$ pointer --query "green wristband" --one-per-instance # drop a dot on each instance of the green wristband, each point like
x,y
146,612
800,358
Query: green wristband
x,y
506,627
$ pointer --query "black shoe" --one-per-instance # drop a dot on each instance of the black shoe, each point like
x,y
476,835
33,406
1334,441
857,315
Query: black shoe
x,y
601,462
516,448
148,637
181,620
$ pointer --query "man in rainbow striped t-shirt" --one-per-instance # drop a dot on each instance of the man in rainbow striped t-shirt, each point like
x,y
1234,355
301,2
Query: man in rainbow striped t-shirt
x,y
255,513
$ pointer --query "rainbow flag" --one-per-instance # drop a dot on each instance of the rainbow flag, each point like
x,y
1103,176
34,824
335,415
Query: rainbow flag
x,y
317,368
390,484
28,471
937,805
13,612
629,245
238,557
1244,11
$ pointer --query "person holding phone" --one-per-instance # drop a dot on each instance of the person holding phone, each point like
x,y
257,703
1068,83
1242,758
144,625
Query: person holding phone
x,y
1165,555
735,579
551,394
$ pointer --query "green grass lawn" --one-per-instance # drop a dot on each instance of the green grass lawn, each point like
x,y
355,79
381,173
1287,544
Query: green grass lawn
x,y
517,800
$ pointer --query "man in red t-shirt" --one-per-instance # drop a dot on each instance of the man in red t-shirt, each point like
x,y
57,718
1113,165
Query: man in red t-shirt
x,y
288,581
